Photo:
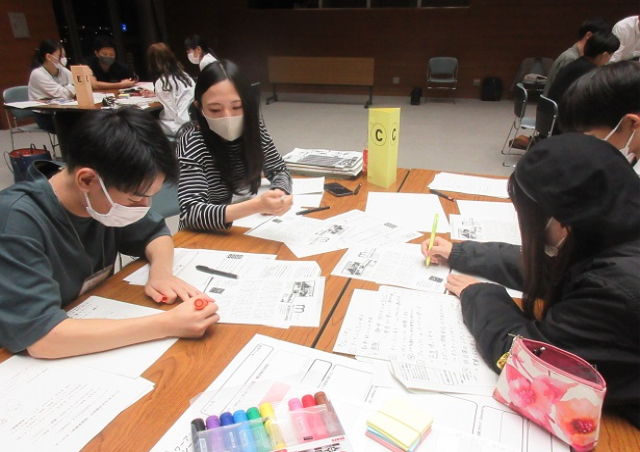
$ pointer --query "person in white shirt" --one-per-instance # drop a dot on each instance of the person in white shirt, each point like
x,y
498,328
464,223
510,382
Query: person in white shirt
x,y
198,52
628,32
173,87
50,79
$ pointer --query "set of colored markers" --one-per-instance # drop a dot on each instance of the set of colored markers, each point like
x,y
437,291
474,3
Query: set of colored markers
x,y
310,422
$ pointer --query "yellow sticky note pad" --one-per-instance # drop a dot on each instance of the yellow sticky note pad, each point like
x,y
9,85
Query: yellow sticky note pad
x,y
384,137
400,421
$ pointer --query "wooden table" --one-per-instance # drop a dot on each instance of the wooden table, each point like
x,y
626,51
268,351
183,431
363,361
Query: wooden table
x,y
189,366
66,116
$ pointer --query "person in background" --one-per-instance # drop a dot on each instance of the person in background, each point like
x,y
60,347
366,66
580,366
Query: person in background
x,y
579,214
61,230
50,79
628,32
173,87
586,30
107,72
605,103
597,52
198,52
223,156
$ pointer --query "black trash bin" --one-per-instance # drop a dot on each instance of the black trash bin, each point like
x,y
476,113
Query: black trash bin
x,y
491,89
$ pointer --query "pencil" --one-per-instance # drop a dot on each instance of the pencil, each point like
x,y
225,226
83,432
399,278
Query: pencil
x,y
213,271
317,209
442,195
433,237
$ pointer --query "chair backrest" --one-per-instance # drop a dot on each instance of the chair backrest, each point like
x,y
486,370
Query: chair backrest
x,y
17,94
546,115
520,97
443,65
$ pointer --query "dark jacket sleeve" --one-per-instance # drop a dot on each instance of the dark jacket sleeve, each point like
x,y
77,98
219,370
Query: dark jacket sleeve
x,y
499,262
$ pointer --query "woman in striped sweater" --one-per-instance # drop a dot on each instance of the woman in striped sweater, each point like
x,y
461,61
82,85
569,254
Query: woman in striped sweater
x,y
223,156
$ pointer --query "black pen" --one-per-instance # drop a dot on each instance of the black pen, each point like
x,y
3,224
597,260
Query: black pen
x,y
317,209
357,190
212,271
442,195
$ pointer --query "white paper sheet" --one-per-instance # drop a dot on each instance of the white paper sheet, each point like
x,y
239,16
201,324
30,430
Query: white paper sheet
x,y
422,335
130,361
473,185
56,406
24,104
488,209
413,211
484,229
400,265
266,369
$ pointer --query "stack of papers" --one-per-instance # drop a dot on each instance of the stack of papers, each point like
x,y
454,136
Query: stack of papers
x,y
422,337
399,425
323,162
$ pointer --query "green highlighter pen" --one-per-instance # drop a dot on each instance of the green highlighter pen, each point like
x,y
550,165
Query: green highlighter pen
x,y
260,437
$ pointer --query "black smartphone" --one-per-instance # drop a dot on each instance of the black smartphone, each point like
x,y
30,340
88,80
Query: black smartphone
x,y
337,189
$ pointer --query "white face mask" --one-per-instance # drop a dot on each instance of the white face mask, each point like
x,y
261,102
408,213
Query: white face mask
x,y
60,62
119,215
230,127
193,59
552,250
625,150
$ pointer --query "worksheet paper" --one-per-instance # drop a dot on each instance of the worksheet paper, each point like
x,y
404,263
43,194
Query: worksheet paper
x,y
304,236
422,335
484,229
488,209
130,361
364,229
400,265
57,406
267,369
358,228
274,302
411,210
186,259
473,185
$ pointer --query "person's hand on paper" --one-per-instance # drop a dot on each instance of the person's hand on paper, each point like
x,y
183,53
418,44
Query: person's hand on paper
x,y
147,93
457,283
439,252
275,202
169,288
186,320
128,82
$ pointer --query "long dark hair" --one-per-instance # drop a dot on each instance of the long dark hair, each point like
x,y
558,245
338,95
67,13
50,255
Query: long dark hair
x,y
194,41
542,274
46,46
164,66
252,152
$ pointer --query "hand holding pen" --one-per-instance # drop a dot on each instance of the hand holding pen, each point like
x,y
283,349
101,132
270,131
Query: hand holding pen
x,y
439,251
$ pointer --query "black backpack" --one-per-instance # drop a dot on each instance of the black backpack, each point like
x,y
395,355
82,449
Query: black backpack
x,y
491,89
416,95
